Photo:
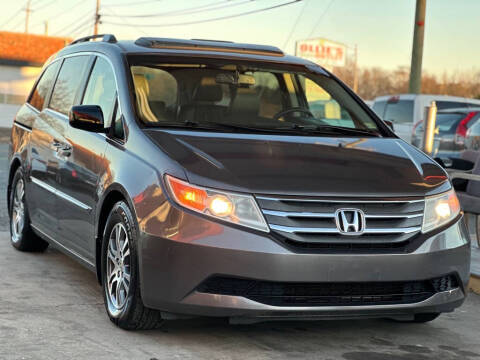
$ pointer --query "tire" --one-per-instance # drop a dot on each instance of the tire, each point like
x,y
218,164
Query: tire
x,y
22,236
477,228
120,275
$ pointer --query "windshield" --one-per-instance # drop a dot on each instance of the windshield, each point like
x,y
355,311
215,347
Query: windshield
x,y
244,97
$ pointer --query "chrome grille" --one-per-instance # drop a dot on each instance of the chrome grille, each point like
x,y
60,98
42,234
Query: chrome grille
x,y
312,220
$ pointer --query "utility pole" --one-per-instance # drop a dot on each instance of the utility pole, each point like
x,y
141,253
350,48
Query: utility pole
x,y
97,18
46,27
415,85
355,71
27,15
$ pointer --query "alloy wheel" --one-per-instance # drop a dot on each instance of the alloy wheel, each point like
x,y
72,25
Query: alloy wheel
x,y
118,269
17,220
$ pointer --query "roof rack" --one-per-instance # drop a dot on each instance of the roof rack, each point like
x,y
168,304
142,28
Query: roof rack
x,y
208,45
105,37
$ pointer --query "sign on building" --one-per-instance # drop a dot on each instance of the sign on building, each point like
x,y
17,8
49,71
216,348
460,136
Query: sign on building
x,y
322,52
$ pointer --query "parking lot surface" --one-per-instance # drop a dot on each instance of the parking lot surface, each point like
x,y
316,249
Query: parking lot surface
x,y
52,308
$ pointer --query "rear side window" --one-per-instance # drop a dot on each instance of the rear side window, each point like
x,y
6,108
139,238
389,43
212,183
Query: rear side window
x,y
379,107
39,94
399,112
101,89
67,83
442,105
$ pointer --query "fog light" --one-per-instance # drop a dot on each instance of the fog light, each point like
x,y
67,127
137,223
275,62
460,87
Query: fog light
x,y
220,206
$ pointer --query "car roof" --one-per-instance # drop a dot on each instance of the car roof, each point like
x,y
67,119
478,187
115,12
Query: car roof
x,y
194,47
460,110
428,96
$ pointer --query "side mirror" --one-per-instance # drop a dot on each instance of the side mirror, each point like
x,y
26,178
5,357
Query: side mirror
x,y
389,124
87,117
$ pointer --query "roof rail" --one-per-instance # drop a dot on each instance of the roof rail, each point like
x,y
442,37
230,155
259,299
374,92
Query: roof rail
x,y
105,37
208,45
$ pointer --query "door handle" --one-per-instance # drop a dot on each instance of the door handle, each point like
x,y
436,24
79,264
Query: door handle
x,y
65,150
55,144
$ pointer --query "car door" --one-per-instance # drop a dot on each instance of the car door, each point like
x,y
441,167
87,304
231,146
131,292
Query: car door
x,y
80,171
43,162
63,96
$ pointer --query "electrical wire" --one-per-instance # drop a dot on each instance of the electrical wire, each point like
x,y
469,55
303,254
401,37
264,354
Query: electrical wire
x,y
295,24
60,13
11,18
320,18
198,9
131,4
127,22
45,5
207,20
75,33
76,22
82,25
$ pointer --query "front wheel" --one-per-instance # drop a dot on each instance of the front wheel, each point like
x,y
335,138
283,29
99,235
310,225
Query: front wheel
x,y
120,278
22,236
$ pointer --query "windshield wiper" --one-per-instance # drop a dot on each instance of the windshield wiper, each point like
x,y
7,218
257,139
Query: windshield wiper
x,y
331,129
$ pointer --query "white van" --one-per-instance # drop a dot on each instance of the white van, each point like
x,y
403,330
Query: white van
x,y
405,110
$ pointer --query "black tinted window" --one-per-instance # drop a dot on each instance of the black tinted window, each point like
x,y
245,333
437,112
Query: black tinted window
x,y
67,83
101,89
37,99
400,111
441,105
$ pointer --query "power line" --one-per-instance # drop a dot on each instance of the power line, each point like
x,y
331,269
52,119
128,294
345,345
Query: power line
x,y
81,25
295,24
194,10
75,22
131,4
208,20
127,22
45,5
80,29
12,17
57,15
320,18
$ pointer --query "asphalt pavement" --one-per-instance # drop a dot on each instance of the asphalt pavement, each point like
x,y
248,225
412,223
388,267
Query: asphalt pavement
x,y
52,308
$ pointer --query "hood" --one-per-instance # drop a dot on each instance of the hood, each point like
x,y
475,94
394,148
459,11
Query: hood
x,y
302,165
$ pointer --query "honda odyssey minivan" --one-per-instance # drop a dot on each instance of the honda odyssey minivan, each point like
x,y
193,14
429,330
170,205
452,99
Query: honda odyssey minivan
x,y
200,177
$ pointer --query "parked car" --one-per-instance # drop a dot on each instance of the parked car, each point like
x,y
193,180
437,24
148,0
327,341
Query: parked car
x,y
472,137
192,177
451,130
406,110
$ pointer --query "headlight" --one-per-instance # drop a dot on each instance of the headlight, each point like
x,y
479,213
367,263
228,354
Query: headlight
x,y
439,210
235,208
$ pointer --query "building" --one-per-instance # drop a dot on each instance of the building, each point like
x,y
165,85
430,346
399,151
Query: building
x,y
21,59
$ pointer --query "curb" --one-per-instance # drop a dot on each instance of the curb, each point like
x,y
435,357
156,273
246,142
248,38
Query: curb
x,y
474,283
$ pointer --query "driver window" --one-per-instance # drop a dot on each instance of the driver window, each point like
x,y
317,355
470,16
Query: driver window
x,y
101,89
322,105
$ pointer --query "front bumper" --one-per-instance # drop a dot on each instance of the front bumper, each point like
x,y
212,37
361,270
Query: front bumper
x,y
175,263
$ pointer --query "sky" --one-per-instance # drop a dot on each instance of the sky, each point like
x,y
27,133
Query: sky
x,y
382,29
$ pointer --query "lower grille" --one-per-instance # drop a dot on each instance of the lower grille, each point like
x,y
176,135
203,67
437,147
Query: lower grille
x,y
328,294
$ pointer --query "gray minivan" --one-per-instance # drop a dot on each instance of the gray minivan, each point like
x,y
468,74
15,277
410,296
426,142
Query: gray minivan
x,y
211,178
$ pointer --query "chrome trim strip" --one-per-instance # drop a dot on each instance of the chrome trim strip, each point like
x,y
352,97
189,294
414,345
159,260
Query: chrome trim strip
x,y
60,194
318,230
332,215
31,107
22,126
63,246
344,201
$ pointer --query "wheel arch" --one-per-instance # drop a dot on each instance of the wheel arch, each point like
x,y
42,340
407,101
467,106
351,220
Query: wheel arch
x,y
112,195
14,165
